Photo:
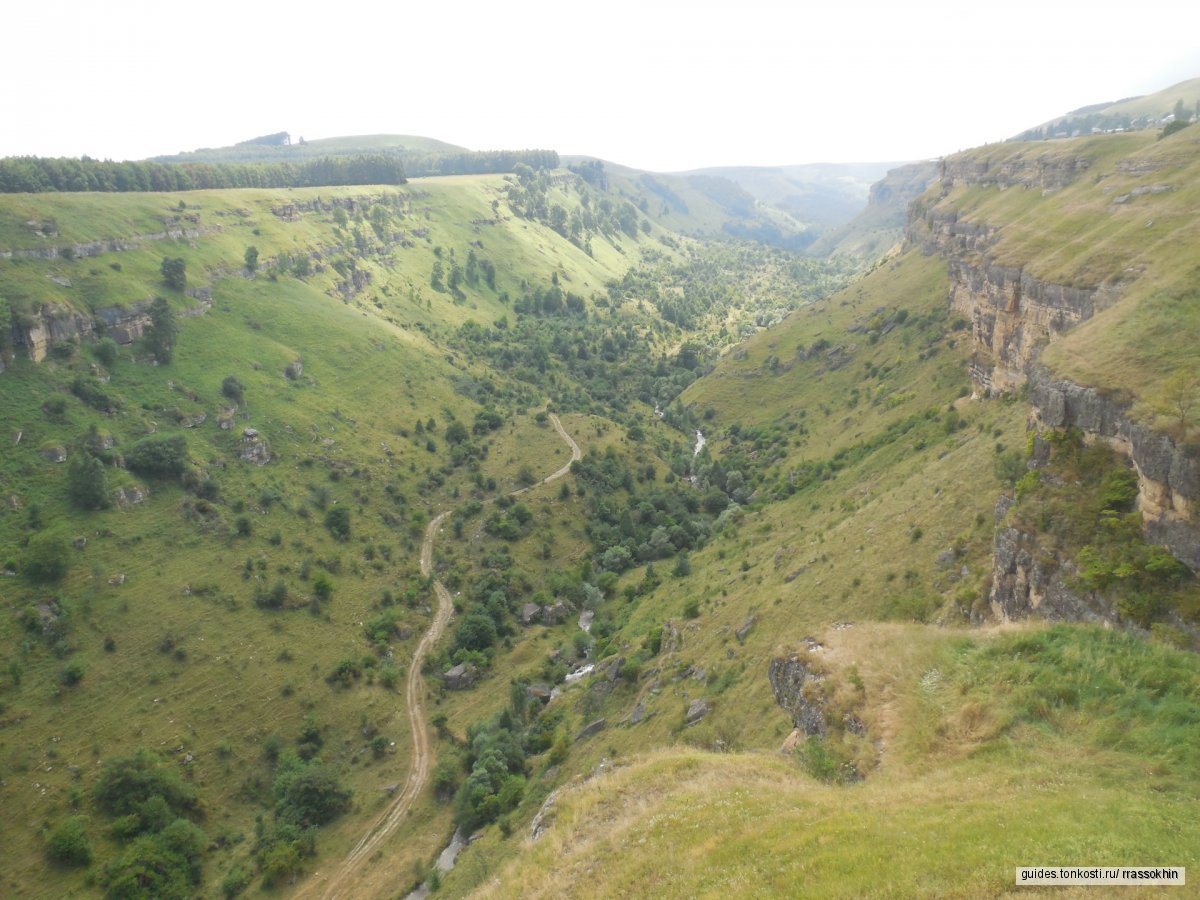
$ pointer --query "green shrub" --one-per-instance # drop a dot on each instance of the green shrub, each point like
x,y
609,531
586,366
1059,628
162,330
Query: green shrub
x,y
68,843
337,520
92,393
308,794
159,455
87,482
48,558
127,782
72,674
106,352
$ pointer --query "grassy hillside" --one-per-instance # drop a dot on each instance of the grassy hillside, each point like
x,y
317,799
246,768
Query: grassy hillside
x,y
971,783
864,484
1132,113
1124,228
205,622
631,645
250,625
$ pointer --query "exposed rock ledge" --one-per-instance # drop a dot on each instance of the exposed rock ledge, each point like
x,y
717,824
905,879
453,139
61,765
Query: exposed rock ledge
x,y
55,325
110,245
1168,473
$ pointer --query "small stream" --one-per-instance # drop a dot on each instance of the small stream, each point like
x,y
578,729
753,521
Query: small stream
x,y
445,862
446,859
700,442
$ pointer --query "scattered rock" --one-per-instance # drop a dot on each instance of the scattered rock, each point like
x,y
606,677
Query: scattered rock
x,y
116,580
798,690
792,576
638,714
589,729
539,692
556,614
1003,505
131,495
390,789
792,741
613,670
460,677
79,543
544,817
697,710
745,629
54,454
255,448
530,613
671,639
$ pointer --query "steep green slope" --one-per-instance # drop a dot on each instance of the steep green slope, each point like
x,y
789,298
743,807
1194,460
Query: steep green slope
x,y
972,783
818,570
208,617
856,454
237,511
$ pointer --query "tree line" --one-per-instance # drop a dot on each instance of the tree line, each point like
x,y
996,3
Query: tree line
x,y
36,175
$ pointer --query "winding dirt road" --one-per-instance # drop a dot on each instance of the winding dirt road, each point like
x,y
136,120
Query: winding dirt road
x,y
348,880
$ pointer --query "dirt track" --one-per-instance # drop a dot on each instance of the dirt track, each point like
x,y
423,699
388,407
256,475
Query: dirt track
x,y
348,879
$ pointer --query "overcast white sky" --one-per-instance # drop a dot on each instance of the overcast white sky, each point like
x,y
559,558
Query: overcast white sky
x,y
657,84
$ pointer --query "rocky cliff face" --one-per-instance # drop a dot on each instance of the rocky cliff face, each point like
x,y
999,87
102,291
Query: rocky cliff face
x,y
1168,473
1012,313
1046,170
1027,580
113,245
54,325
798,689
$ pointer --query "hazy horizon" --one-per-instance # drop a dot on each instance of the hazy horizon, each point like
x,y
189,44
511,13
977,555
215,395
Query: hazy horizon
x,y
659,85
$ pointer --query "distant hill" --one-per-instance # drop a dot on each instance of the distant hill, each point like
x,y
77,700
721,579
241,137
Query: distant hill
x,y
877,228
1129,114
281,148
784,206
824,194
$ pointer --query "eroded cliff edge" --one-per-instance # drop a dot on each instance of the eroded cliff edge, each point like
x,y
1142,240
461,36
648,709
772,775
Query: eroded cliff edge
x,y
1013,315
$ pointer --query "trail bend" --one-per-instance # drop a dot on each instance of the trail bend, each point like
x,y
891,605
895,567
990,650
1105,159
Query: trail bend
x,y
347,880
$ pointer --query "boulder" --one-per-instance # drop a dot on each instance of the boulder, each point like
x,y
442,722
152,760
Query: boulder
x,y
589,729
559,612
697,710
530,613
797,689
539,692
460,677
255,448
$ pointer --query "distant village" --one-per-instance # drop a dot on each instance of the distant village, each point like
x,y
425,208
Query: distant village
x,y
1098,122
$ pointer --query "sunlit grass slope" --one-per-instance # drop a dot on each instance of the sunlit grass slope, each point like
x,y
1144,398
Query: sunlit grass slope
x,y
160,614
999,750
